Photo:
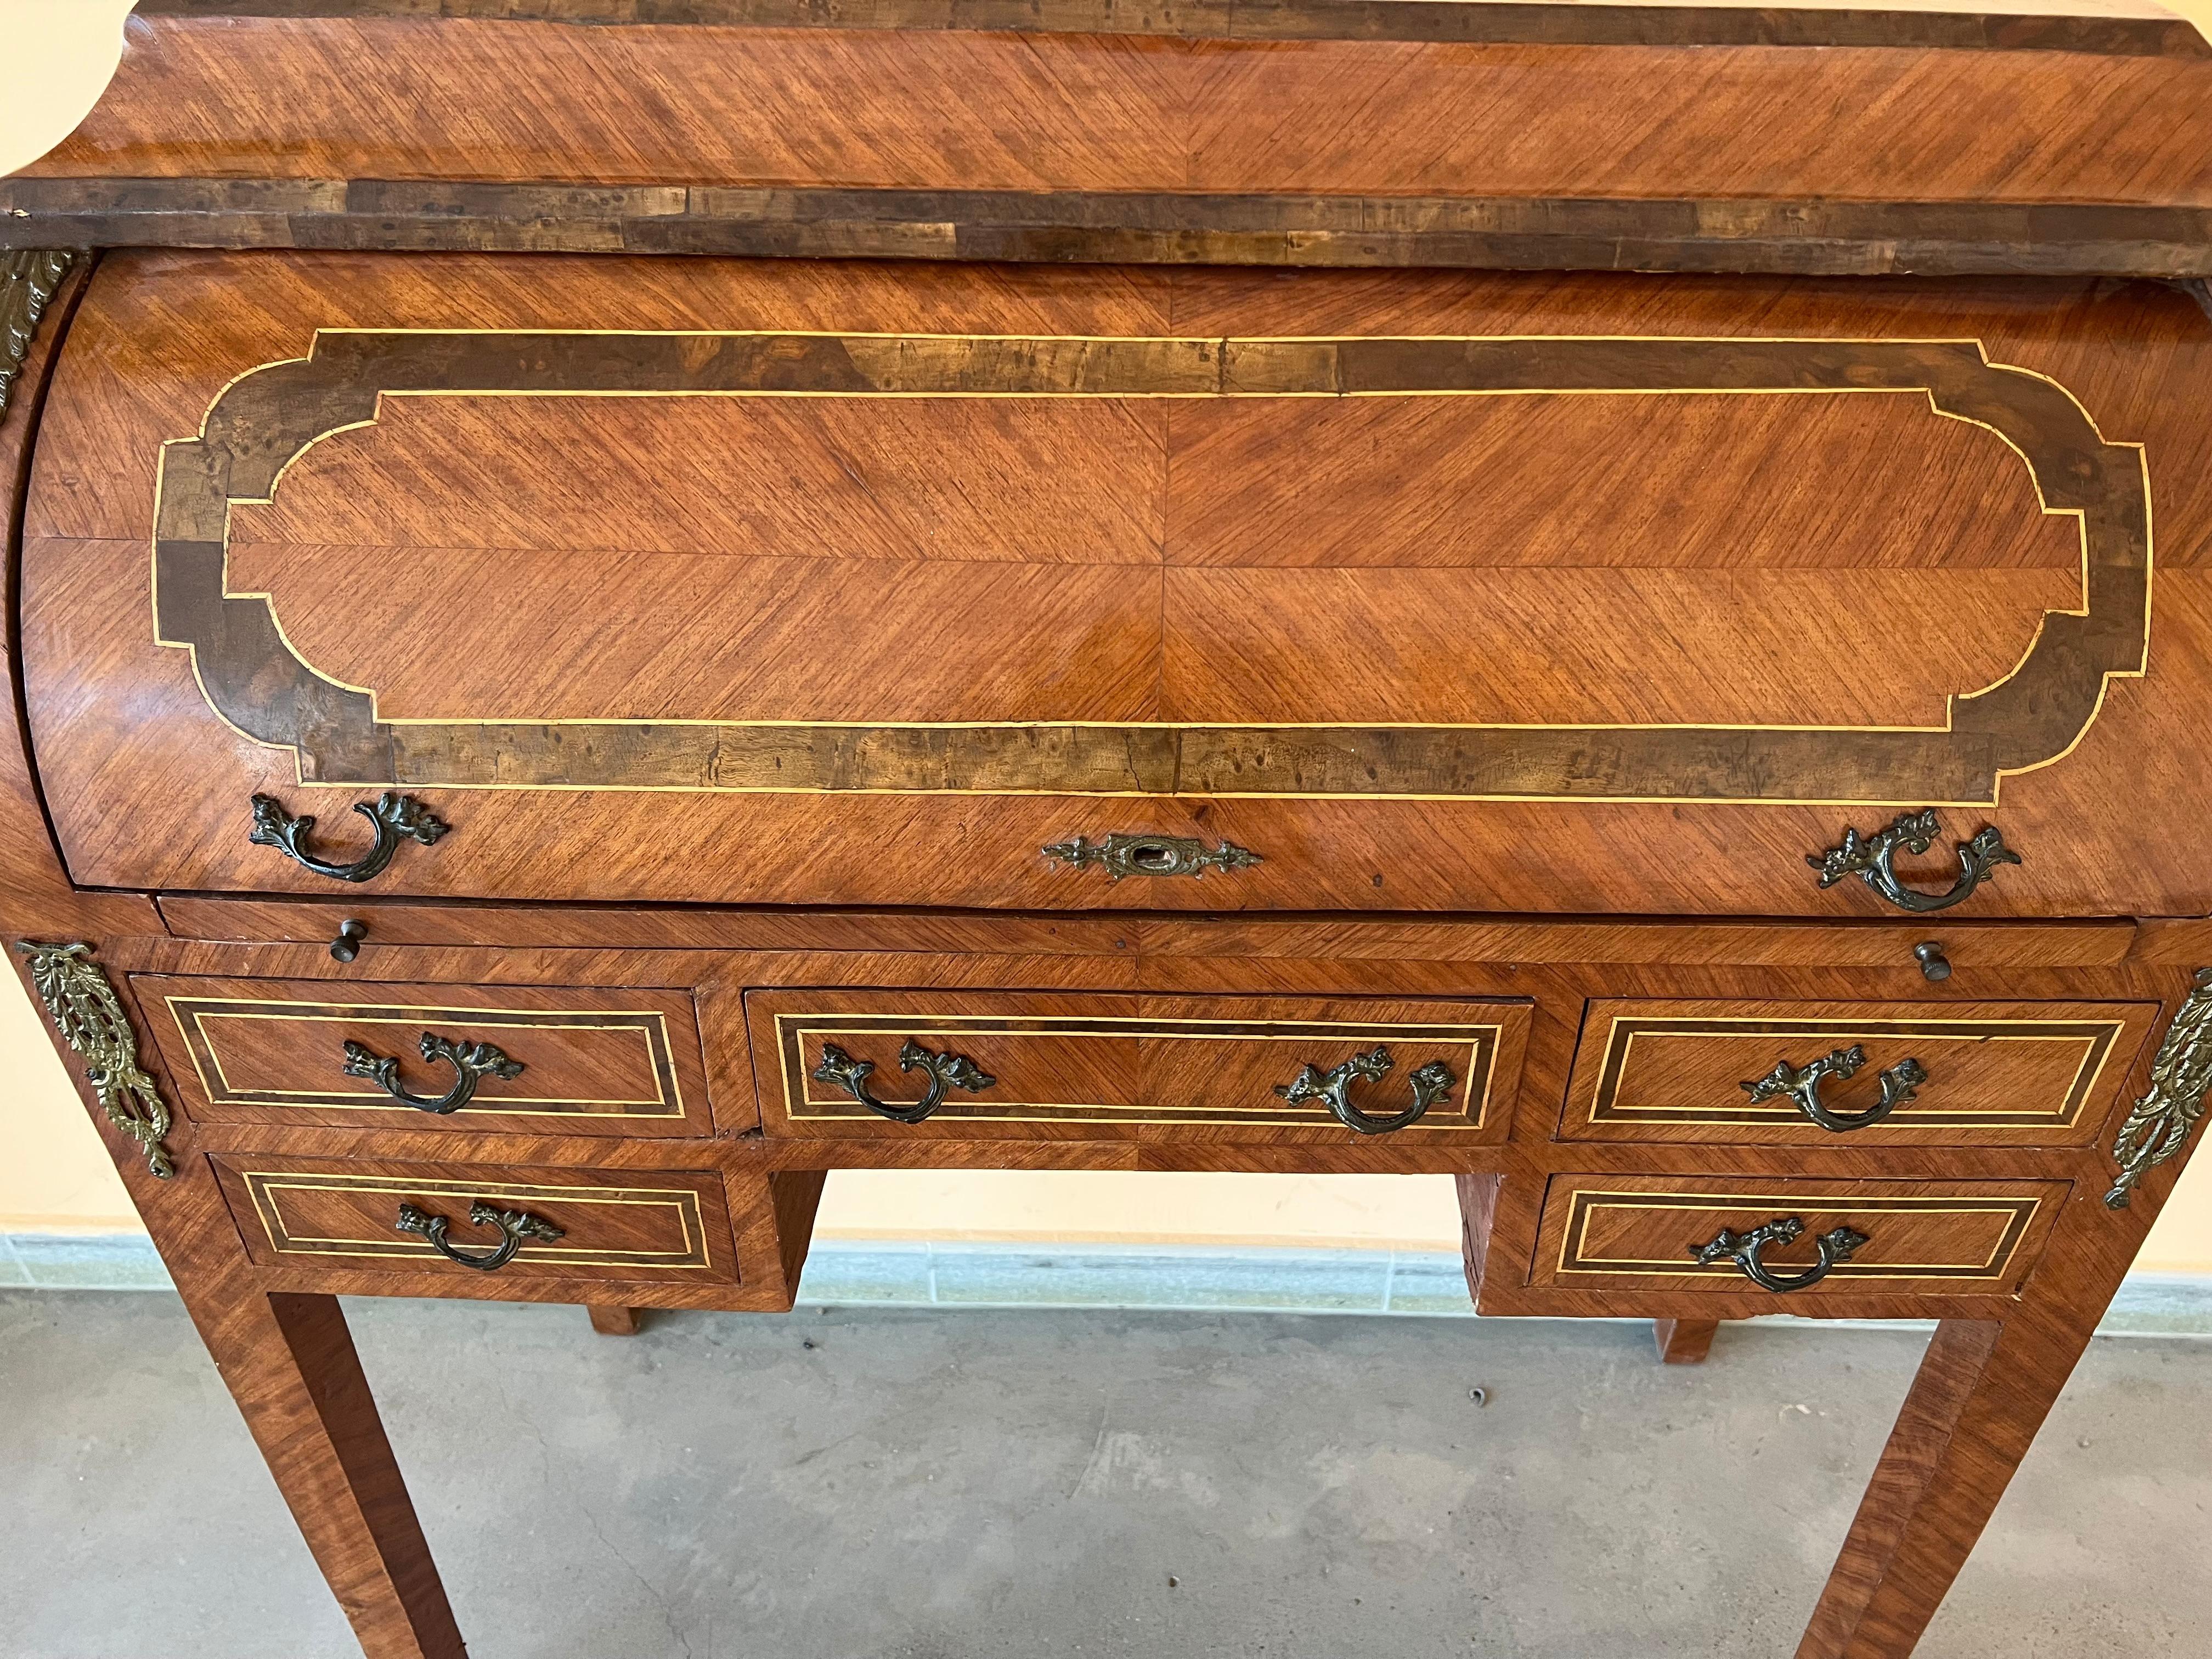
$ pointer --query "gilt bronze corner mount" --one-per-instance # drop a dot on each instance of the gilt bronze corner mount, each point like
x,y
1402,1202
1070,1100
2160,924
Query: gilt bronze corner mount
x,y
30,278
84,1009
2160,1126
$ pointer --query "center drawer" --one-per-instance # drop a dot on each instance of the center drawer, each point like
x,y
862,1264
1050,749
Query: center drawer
x,y
585,1059
1039,1064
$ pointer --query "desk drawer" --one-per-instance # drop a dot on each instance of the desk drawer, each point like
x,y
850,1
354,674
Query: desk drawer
x,y
1051,1066
1913,1237
1962,1074
631,1224
531,1059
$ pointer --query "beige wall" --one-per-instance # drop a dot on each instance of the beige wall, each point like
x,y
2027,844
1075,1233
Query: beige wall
x,y
55,1175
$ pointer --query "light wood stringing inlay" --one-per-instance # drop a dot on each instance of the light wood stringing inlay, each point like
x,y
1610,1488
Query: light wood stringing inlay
x,y
253,676
194,1016
2017,1213
268,1186
799,1038
1801,1039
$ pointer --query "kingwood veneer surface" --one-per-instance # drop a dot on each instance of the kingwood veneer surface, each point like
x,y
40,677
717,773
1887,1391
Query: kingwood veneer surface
x,y
1708,760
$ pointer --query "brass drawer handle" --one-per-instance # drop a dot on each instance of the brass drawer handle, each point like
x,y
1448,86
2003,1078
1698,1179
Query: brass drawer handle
x,y
946,1073
1333,1088
1121,855
1873,858
513,1224
397,817
1742,1248
472,1060
1899,1083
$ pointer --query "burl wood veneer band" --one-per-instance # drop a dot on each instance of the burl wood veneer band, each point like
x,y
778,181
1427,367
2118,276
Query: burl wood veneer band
x,y
1517,136
269,1209
251,675
2118,30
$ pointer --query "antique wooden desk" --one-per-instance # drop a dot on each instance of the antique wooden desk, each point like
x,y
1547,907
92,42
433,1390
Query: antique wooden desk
x,y
1138,598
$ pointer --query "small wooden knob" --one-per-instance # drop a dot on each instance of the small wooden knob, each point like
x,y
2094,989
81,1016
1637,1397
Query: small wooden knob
x,y
347,946
1934,965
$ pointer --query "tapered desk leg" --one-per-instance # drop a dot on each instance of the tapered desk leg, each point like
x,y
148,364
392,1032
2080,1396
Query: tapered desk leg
x,y
289,1363
1684,1341
612,1319
1983,1390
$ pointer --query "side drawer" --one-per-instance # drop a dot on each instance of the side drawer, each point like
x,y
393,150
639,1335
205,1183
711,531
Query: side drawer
x,y
1611,1232
1988,1074
1121,1066
582,1059
651,1225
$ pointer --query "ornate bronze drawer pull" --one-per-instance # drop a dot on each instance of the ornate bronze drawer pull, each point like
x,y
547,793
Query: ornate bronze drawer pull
x,y
472,1060
1742,1248
1333,1088
1872,859
397,817
1123,856
946,1073
513,1223
1899,1083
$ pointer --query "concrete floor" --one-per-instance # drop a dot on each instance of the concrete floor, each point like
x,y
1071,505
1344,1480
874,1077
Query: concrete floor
x,y
861,1484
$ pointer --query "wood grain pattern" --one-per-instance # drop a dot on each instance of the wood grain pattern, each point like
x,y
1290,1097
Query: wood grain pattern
x,y
289,1363
751,107
1684,1341
1143,1067
1603,1233
256,677
2132,355
668,1225
1939,1480
149,788
2119,27
596,1062
2032,1073
1798,236
35,892
1714,483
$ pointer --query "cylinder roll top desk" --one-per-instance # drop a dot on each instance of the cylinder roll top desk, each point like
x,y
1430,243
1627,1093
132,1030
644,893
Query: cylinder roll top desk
x,y
614,605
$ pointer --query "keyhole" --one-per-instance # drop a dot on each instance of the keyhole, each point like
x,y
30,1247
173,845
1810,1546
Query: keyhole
x,y
1152,856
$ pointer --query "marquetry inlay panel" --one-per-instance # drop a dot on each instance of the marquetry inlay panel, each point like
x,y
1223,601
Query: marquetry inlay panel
x,y
251,672
1126,1067
1932,1237
654,1224
2012,1073
594,1061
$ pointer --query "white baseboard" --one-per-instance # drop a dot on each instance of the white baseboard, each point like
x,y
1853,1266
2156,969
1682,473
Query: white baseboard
x,y
1405,1283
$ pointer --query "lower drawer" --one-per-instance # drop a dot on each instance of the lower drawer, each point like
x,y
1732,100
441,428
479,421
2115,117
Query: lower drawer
x,y
444,1219
1796,1238
1102,1066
